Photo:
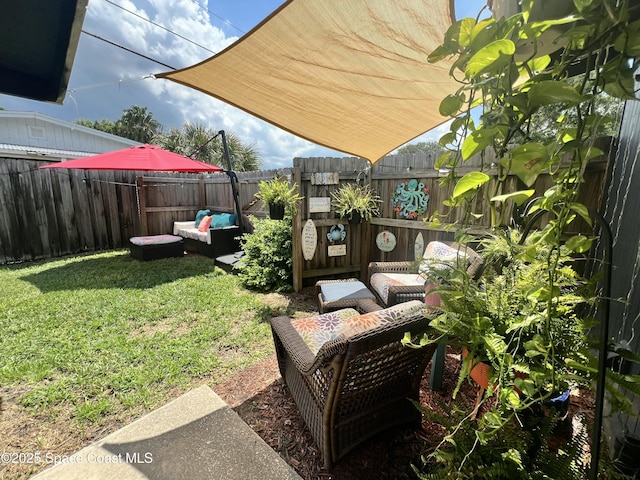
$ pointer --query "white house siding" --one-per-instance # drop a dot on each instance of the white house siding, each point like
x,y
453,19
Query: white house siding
x,y
58,139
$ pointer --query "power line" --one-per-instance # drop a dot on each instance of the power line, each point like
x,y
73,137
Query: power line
x,y
160,26
227,22
127,49
219,17
108,84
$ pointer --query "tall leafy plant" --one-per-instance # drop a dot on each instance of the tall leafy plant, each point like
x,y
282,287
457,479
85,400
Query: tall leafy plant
x,y
506,78
268,261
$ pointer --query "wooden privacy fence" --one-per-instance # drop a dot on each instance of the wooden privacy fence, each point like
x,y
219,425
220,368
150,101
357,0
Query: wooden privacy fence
x,y
50,213
164,200
384,178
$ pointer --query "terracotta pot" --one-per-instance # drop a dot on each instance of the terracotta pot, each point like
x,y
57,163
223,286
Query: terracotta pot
x,y
480,373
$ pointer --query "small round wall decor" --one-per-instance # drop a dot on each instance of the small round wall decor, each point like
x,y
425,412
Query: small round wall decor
x,y
386,241
410,199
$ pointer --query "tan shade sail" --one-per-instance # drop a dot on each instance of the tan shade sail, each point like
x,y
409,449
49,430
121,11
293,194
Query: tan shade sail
x,y
351,75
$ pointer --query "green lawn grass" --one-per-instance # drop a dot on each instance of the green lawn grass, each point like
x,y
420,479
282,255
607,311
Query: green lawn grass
x,y
105,336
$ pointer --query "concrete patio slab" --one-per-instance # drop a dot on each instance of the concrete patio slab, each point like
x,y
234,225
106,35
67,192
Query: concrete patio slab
x,y
196,436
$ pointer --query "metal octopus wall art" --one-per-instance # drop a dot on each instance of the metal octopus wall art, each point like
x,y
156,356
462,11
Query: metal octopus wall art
x,y
410,199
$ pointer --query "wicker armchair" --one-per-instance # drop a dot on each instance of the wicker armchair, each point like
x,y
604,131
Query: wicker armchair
x,y
416,291
354,387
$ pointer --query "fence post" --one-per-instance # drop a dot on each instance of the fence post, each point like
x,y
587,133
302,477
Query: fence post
x,y
295,237
142,206
202,194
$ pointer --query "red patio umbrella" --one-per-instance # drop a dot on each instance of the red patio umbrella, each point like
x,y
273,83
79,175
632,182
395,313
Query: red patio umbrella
x,y
141,157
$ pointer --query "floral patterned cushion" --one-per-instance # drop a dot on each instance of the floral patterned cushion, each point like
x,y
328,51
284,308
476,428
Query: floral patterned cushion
x,y
439,256
317,330
381,282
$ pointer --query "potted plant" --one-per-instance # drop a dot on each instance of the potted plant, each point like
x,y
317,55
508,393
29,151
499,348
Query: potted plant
x,y
355,202
279,196
504,314
515,316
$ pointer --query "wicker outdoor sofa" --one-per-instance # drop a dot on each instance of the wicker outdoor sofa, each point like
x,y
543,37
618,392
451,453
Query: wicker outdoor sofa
x,y
398,282
359,382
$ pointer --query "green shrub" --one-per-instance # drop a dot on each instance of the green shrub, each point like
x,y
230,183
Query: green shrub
x,y
268,263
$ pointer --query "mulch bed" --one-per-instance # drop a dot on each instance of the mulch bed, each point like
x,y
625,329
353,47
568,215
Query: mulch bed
x,y
271,412
261,399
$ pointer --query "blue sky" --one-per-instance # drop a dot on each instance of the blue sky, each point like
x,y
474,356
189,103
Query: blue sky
x,y
106,80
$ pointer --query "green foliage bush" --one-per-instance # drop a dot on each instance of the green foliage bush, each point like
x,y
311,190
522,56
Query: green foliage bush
x,y
268,262
533,448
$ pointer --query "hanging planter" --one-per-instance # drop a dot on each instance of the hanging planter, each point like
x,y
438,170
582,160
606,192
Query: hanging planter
x,y
355,218
276,211
279,196
355,203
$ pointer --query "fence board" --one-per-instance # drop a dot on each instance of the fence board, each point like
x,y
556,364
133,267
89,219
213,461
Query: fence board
x,y
28,236
45,214
110,207
67,232
8,215
128,213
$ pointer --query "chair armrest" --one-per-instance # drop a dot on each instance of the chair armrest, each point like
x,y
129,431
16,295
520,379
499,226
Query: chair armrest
x,y
177,226
367,305
405,293
292,342
392,267
299,352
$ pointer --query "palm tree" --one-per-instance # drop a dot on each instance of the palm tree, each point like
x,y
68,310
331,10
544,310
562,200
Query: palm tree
x,y
138,124
195,141
244,158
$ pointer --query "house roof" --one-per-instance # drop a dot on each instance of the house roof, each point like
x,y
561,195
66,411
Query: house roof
x,y
38,42
9,150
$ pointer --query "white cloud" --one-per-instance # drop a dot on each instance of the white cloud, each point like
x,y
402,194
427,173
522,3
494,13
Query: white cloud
x,y
107,80
172,104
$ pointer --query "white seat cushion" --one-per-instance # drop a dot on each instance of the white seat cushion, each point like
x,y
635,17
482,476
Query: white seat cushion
x,y
381,282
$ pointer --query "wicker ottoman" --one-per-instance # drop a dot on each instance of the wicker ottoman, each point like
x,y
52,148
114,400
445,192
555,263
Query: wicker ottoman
x,y
345,293
154,247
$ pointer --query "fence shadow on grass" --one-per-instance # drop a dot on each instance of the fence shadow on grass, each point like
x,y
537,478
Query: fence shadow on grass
x,y
119,271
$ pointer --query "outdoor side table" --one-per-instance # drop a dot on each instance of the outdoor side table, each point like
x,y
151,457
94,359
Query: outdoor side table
x,y
153,247
344,293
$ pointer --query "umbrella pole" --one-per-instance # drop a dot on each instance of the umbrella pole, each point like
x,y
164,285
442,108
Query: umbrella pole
x,y
233,178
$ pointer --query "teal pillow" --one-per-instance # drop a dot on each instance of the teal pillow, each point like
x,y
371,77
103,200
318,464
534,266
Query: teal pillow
x,y
221,220
231,219
200,215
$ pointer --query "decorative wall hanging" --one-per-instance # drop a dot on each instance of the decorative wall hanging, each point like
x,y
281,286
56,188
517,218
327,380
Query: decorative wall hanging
x,y
418,247
337,250
319,204
325,178
337,233
309,240
386,241
410,199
